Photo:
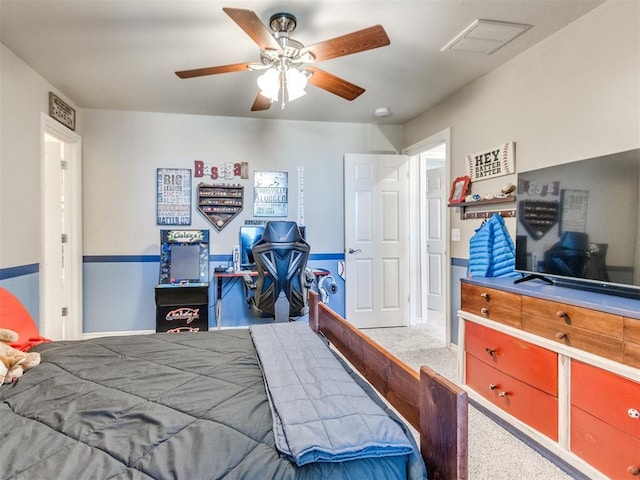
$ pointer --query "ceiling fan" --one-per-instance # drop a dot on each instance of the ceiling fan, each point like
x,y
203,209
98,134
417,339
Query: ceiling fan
x,y
287,62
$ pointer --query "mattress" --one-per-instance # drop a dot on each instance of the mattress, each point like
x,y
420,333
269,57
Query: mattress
x,y
163,406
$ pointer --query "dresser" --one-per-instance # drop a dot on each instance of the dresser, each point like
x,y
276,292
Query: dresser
x,y
560,365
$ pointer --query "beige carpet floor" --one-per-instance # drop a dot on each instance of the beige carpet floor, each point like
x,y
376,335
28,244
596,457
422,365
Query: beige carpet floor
x,y
494,452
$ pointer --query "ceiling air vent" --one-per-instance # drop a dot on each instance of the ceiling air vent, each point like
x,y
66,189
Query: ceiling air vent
x,y
485,36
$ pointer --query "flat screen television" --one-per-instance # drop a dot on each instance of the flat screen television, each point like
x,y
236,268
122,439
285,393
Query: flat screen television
x,y
578,224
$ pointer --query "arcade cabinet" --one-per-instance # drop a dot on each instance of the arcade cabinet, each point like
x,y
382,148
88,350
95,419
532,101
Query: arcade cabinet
x,y
182,294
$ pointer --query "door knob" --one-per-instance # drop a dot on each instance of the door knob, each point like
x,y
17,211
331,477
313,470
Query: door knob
x,y
357,250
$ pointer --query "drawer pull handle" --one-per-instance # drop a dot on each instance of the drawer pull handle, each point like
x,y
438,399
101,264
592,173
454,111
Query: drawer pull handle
x,y
633,413
561,336
561,314
492,386
504,394
490,351
485,295
635,471
484,311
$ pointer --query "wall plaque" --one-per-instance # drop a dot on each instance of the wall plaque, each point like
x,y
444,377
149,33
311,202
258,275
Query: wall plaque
x,y
494,162
61,112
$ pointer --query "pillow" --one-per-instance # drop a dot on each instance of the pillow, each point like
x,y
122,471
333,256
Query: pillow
x,y
15,317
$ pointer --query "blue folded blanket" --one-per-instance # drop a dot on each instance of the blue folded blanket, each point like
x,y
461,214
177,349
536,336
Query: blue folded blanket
x,y
320,413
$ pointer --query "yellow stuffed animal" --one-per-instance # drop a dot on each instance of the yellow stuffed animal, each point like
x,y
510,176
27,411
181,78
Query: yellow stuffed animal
x,y
14,362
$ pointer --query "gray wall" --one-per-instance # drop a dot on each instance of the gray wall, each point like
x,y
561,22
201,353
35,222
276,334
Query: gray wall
x,y
573,96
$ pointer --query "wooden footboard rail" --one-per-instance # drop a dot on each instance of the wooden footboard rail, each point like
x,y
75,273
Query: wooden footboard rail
x,y
433,405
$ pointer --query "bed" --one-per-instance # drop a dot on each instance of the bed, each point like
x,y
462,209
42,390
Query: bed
x,y
194,406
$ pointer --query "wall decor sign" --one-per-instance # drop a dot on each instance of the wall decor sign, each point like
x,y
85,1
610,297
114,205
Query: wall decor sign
x,y
173,200
491,163
270,194
61,112
224,171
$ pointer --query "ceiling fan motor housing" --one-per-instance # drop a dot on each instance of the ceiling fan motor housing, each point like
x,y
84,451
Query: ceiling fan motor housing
x,y
283,22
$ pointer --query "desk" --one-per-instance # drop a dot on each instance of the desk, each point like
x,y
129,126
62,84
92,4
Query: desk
x,y
221,277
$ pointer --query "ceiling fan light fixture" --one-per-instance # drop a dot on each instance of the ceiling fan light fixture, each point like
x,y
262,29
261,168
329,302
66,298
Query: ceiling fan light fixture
x,y
296,83
269,84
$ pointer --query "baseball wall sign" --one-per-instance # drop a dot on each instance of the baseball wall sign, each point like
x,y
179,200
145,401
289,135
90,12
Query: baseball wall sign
x,y
492,163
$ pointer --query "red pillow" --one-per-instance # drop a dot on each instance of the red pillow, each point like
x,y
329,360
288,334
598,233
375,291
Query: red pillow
x,y
15,317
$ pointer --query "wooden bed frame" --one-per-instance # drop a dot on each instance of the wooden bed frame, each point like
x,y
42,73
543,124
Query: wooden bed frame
x,y
433,405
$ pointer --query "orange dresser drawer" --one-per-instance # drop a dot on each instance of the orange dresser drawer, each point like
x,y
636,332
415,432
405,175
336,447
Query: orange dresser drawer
x,y
532,406
610,450
607,396
529,363
499,306
604,346
577,317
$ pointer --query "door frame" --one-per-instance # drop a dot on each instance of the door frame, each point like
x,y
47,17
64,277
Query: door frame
x,y
50,270
418,234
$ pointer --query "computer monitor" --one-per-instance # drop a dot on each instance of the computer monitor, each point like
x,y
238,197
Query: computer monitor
x,y
249,235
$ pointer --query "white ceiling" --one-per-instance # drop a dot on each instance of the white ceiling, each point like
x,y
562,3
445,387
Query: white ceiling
x,y
122,54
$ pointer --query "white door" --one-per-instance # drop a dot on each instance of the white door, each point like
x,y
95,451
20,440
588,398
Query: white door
x,y
61,258
436,244
376,240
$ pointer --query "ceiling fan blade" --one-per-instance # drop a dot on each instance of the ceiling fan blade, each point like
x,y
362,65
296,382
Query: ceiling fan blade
x,y
333,84
248,21
360,41
200,72
261,103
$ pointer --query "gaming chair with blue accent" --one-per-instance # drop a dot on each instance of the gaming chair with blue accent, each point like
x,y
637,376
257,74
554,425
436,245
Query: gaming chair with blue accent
x,y
281,259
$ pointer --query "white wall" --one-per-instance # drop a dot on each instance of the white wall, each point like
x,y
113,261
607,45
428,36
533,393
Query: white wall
x,y
122,151
575,95
24,94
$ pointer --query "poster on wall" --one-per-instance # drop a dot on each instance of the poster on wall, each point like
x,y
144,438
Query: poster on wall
x,y
270,194
173,200
491,163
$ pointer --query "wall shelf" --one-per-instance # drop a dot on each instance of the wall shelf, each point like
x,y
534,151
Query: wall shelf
x,y
220,203
465,215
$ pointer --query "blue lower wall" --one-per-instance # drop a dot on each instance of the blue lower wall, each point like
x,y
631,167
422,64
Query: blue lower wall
x,y
119,293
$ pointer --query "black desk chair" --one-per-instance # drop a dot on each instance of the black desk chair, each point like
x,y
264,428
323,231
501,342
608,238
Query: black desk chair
x,y
281,288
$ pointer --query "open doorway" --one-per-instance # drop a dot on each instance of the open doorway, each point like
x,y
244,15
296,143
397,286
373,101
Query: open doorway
x,y
429,234
61,232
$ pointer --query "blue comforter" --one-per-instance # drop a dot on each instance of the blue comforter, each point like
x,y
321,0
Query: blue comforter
x,y
320,413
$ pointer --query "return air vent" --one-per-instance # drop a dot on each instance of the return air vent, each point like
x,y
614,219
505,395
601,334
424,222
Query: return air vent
x,y
485,36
